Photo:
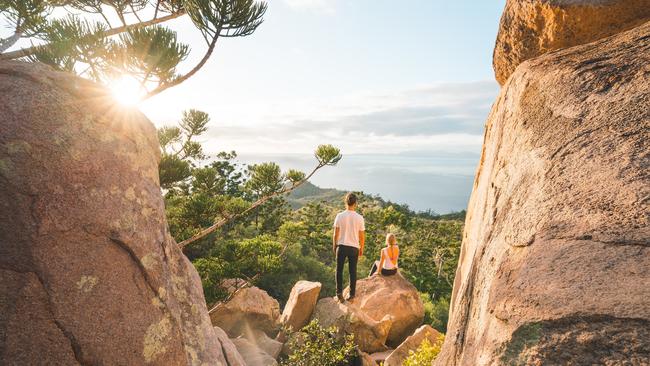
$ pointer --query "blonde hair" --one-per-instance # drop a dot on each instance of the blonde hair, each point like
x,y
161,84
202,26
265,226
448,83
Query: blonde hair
x,y
391,239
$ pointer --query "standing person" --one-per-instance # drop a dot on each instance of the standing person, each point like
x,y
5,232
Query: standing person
x,y
387,264
347,243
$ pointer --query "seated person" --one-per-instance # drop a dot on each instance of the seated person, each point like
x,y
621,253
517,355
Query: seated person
x,y
389,256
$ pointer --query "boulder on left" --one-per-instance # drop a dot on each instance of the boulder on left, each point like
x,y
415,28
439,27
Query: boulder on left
x,y
89,273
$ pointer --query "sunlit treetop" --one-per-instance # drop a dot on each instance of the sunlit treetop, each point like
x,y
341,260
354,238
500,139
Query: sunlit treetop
x,y
106,40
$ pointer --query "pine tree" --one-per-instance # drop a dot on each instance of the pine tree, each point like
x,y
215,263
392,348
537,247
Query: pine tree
x,y
103,39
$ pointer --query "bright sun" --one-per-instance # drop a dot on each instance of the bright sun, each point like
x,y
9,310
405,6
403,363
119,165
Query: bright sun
x,y
126,90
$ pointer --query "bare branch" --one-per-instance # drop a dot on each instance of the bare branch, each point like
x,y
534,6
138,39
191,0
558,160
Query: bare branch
x,y
8,42
245,284
207,231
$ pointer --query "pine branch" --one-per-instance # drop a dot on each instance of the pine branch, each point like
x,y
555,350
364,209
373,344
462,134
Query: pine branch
x,y
10,41
111,32
247,283
195,69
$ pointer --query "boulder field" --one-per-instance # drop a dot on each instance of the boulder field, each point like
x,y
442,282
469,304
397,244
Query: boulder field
x,y
555,261
88,271
370,321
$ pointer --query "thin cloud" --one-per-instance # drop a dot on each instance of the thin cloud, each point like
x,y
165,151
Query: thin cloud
x,y
441,118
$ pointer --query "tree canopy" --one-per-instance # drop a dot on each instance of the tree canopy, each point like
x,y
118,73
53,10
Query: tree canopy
x,y
104,39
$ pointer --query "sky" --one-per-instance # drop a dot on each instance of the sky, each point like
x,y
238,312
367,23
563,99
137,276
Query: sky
x,y
403,88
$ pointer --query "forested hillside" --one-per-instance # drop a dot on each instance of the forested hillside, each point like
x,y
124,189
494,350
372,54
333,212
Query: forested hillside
x,y
288,238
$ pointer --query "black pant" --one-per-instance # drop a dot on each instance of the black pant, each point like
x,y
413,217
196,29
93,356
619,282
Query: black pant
x,y
384,271
352,254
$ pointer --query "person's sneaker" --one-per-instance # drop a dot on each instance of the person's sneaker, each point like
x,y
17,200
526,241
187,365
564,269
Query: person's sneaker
x,y
340,297
350,298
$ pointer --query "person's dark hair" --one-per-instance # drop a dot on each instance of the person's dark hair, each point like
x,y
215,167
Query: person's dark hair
x,y
350,199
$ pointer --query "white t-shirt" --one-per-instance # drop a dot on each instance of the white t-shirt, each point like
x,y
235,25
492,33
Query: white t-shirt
x,y
350,223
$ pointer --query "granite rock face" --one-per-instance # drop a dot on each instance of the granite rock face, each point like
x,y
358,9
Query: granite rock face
x,y
530,28
88,271
555,261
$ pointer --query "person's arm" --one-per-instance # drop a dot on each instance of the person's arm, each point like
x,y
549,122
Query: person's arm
x,y
381,262
362,242
335,239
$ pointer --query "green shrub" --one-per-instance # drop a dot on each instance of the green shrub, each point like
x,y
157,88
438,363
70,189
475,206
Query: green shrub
x,y
425,354
436,313
320,347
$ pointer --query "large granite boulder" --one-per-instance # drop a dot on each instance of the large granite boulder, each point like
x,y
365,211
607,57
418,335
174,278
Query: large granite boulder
x,y
378,296
300,305
412,343
88,271
530,28
369,334
555,262
249,308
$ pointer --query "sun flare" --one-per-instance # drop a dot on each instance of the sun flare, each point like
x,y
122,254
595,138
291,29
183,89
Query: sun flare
x,y
126,90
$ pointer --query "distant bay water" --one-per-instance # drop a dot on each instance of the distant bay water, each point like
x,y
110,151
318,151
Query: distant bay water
x,y
439,182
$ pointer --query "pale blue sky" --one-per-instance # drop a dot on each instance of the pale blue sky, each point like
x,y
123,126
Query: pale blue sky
x,y
403,88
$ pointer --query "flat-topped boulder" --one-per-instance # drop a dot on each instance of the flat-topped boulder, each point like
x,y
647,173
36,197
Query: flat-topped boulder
x,y
249,308
301,304
530,28
378,296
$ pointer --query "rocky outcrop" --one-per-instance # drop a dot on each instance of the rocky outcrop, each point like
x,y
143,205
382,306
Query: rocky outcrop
x,y
252,354
378,296
301,304
530,28
555,262
249,308
401,353
88,271
370,335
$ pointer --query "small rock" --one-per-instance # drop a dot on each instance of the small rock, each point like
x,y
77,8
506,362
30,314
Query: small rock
x,y
370,335
263,342
253,355
301,304
233,357
397,357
